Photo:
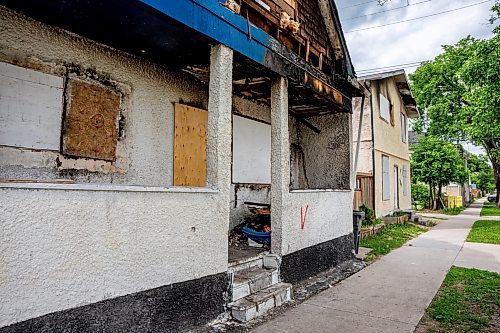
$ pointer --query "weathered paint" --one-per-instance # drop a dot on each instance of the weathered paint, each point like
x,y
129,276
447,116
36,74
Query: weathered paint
x,y
67,245
31,106
144,154
379,138
216,21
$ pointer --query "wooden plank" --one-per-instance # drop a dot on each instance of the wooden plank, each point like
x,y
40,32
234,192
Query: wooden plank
x,y
90,127
190,146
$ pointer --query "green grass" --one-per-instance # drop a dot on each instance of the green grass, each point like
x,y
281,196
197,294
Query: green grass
x,y
391,237
485,231
452,211
489,209
468,301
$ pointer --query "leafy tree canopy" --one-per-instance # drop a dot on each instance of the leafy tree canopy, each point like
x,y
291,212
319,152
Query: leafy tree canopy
x,y
437,162
459,94
481,172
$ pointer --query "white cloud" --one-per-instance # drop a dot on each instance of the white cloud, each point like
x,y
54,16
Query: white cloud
x,y
411,41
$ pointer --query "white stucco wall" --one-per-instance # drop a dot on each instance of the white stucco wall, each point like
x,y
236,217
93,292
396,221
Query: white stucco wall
x,y
117,231
329,212
64,248
329,216
147,154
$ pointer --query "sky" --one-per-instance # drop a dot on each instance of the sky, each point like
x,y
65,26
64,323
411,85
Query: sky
x,y
413,41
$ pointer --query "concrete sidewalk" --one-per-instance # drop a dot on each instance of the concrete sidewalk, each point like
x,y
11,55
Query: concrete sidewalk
x,y
390,295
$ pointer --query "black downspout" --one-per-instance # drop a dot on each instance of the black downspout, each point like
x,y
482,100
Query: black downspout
x,y
373,149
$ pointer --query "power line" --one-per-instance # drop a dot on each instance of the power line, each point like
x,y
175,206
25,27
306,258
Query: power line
x,y
384,11
358,4
410,64
418,18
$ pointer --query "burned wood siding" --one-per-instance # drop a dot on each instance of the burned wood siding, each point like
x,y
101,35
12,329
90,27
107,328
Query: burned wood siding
x,y
312,26
311,42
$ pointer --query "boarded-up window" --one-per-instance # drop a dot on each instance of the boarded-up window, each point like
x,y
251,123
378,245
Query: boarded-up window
x,y
403,127
385,108
405,180
190,146
251,151
90,128
386,190
31,105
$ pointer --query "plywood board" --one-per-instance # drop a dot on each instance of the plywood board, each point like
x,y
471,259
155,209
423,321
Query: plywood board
x,y
190,146
251,151
90,128
31,106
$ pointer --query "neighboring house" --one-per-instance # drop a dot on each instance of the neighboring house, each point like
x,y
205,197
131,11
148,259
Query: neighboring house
x,y
383,168
132,134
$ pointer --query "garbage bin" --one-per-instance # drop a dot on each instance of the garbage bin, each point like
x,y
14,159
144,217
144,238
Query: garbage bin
x,y
357,219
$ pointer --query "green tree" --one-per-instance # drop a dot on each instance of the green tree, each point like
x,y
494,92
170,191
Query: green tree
x,y
459,94
437,163
481,172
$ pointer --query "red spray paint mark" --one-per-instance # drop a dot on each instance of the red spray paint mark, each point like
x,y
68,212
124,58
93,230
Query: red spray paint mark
x,y
303,215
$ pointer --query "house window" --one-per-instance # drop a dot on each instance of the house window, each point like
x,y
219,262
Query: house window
x,y
385,108
403,127
190,146
91,123
405,180
386,191
31,107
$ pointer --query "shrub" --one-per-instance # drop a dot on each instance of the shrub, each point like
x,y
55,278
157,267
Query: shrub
x,y
369,215
420,194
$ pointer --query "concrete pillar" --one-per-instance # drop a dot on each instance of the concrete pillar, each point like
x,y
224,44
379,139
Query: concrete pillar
x,y
219,135
280,159
219,119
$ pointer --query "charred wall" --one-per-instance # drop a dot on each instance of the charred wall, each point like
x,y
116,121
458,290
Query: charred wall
x,y
321,160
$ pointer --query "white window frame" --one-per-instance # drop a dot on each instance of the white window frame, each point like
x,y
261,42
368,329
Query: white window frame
x,y
386,179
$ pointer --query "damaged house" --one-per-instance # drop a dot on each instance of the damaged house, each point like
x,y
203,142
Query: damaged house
x,y
380,126
135,136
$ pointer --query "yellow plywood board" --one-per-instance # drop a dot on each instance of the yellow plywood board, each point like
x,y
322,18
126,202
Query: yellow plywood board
x,y
190,146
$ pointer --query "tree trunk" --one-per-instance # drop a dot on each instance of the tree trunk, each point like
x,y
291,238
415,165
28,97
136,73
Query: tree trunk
x,y
496,171
489,146
431,198
434,198
438,199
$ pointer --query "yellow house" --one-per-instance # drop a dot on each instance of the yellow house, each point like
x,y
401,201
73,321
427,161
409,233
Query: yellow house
x,y
383,162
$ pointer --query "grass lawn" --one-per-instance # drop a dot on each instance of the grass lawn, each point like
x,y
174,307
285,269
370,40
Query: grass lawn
x,y
468,301
391,237
485,231
489,209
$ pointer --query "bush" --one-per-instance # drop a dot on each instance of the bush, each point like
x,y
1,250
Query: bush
x,y
369,215
420,194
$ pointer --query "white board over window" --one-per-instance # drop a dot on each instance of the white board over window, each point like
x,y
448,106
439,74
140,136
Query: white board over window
x,y
31,106
385,108
251,151
386,190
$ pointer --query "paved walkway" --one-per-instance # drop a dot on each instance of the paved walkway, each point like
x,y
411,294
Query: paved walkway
x,y
391,294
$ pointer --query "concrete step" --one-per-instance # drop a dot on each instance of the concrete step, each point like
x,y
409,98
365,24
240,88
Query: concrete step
x,y
246,264
251,280
259,303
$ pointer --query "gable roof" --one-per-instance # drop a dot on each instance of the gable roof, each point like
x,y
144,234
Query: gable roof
x,y
403,85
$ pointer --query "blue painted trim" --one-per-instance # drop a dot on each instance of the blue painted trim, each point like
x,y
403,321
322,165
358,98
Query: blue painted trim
x,y
212,19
